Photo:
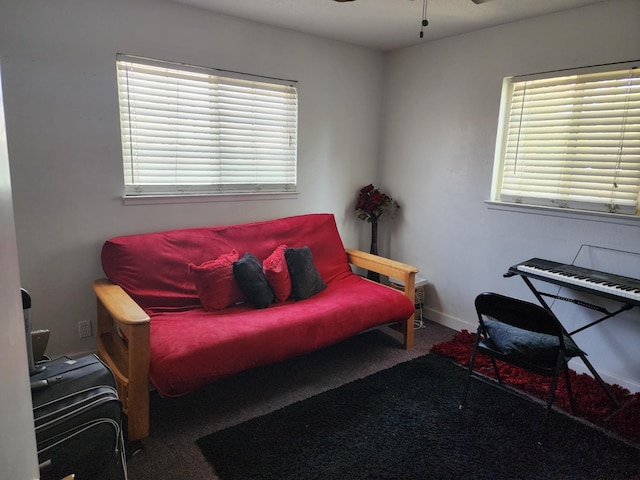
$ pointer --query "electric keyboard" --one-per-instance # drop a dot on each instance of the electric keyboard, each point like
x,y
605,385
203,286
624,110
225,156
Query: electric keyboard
x,y
617,287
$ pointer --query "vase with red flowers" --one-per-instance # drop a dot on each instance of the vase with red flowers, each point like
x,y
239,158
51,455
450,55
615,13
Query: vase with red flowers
x,y
372,204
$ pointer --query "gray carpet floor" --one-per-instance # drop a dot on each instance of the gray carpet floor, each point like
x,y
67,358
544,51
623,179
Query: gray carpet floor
x,y
170,452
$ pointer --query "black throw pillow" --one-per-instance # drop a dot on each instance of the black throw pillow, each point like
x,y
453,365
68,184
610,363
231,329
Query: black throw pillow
x,y
305,279
248,273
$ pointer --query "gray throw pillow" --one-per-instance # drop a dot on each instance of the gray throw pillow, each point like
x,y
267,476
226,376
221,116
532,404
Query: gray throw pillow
x,y
248,273
305,279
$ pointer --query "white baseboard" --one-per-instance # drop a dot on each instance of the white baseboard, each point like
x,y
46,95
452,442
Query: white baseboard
x,y
449,321
633,386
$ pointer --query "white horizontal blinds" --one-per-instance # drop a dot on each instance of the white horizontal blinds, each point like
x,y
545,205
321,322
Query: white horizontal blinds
x,y
574,142
186,130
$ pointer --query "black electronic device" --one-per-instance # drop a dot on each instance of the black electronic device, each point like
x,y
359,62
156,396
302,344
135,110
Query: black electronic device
x,y
26,308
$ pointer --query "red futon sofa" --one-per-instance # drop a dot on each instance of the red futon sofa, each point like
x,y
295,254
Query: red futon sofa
x,y
158,319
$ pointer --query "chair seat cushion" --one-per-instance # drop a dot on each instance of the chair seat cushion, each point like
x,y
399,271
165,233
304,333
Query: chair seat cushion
x,y
510,340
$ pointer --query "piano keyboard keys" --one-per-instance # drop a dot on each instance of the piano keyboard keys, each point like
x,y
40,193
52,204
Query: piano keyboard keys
x,y
616,286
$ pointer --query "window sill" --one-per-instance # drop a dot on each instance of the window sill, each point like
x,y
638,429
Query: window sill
x,y
205,198
565,213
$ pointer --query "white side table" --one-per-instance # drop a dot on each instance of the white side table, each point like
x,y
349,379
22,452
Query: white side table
x,y
419,292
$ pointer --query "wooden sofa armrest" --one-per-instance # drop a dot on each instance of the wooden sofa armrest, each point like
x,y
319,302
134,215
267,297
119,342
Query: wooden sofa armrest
x,y
393,269
123,344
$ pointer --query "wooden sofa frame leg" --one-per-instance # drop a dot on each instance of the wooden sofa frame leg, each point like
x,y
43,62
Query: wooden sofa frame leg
x,y
123,344
391,268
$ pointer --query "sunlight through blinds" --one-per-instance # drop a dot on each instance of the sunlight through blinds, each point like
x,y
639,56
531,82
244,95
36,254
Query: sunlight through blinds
x,y
574,142
190,130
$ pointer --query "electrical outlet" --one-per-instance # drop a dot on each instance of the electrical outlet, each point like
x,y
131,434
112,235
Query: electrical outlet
x,y
84,329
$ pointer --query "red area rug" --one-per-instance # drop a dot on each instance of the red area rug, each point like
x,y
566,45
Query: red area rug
x,y
591,401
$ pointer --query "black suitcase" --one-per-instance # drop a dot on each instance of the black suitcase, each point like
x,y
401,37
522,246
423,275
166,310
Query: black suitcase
x,y
77,417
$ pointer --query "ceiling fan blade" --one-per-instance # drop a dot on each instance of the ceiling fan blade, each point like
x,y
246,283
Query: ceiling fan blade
x,y
341,1
478,2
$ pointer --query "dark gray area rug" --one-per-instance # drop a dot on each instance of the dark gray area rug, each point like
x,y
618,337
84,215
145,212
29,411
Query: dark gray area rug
x,y
170,452
404,423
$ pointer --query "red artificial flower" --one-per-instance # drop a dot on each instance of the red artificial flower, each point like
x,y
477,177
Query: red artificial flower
x,y
372,203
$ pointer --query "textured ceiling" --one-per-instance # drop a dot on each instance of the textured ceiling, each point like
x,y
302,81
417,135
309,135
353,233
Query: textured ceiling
x,y
385,24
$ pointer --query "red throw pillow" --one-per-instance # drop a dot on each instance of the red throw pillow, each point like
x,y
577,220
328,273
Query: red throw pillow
x,y
215,283
277,273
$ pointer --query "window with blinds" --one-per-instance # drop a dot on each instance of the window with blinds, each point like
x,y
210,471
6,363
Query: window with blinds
x,y
571,141
190,130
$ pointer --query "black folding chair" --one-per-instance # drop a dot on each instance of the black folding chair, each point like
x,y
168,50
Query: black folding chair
x,y
522,334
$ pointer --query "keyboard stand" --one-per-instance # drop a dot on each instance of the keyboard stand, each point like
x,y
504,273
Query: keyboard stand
x,y
582,355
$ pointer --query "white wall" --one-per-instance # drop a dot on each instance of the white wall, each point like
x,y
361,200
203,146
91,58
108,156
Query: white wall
x,y
17,443
440,118
61,101
436,131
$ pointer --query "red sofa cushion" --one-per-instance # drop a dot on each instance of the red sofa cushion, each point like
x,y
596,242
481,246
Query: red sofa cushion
x,y
153,268
191,349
